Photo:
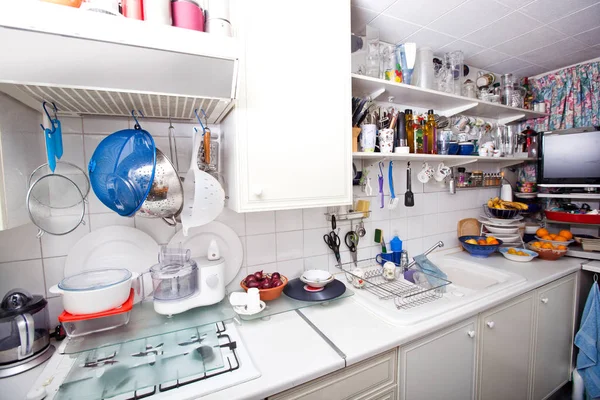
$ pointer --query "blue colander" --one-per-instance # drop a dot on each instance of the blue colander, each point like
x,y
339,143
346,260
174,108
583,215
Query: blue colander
x,y
122,170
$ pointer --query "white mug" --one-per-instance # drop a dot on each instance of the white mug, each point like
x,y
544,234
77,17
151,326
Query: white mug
x,y
386,140
357,278
426,173
442,172
367,137
253,300
389,271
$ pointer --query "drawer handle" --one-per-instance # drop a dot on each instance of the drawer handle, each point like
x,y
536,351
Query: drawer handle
x,y
545,300
257,191
491,324
471,334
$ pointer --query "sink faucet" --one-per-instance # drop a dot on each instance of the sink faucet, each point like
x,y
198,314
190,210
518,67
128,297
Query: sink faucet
x,y
439,244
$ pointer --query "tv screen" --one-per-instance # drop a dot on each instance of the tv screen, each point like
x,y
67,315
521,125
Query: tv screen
x,y
570,157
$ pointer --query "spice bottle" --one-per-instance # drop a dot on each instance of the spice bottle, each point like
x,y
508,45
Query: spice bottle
x,y
410,129
461,178
430,134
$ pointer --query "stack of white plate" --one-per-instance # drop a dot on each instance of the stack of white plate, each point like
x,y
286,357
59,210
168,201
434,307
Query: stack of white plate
x,y
506,230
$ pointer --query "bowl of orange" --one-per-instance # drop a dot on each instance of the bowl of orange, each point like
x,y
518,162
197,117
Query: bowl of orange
x,y
564,237
548,251
480,246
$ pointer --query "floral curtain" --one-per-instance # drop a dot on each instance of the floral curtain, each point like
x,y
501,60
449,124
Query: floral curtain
x,y
571,95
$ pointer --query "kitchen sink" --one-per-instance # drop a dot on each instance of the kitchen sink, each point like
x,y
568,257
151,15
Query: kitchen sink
x,y
470,282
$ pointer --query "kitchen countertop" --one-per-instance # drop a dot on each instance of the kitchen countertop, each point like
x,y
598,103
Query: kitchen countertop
x,y
359,333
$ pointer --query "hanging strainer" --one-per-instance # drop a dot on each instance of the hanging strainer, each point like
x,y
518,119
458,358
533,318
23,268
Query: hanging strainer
x,y
66,169
55,204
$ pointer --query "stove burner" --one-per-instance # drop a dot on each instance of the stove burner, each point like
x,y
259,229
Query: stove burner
x,y
194,339
313,289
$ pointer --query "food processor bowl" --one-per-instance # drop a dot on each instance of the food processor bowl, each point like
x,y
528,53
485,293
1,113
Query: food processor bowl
x,y
173,280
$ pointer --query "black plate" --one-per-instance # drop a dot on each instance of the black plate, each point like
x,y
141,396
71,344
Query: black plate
x,y
295,290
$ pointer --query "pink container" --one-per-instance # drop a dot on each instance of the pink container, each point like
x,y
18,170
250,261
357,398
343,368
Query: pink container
x,y
187,14
133,9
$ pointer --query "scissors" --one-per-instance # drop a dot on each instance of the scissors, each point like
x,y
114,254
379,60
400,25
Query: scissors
x,y
332,240
351,240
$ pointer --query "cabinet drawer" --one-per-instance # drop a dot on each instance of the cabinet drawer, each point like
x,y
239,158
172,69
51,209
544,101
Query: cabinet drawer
x,y
390,393
355,382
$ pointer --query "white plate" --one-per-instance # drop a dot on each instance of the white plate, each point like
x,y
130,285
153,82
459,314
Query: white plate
x,y
241,310
525,195
506,238
228,241
114,247
502,229
500,221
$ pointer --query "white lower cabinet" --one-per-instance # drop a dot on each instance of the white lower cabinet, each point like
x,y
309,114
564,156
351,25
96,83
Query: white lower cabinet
x,y
554,328
440,366
505,350
372,379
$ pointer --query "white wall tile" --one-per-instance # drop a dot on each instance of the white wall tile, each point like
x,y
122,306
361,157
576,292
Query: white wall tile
x,y
235,221
28,275
258,223
54,272
288,220
104,125
55,308
415,246
56,246
291,269
156,228
419,207
71,125
290,245
98,221
414,227
431,224
317,262
184,153
20,243
260,249
378,213
315,218
73,151
398,228
314,245
234,285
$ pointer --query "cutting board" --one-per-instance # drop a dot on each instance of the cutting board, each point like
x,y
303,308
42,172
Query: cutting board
x,y
468,227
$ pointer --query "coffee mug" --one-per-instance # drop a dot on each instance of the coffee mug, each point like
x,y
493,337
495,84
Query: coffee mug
x,y
386,140
367,137
426,173
382,258
442,172
253,300
461,122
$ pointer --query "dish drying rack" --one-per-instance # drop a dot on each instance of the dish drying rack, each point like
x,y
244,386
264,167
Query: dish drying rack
x,y
406,294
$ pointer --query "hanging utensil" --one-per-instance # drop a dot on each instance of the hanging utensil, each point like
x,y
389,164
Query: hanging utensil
x,y
409,197
380,179
360,229
173,146
394,201
53,137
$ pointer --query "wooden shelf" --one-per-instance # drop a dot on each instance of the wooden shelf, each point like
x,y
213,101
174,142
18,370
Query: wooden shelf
x,y
589,196
443,103
90,63
450,161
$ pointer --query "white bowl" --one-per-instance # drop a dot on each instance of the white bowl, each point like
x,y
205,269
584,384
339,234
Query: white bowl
x,y
316,277
502,229
531,229
513,257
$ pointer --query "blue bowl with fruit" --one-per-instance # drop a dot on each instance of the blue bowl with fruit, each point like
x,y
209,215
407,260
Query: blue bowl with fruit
x,y
480,246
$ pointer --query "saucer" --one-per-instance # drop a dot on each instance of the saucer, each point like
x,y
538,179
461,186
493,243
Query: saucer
x,y
241,310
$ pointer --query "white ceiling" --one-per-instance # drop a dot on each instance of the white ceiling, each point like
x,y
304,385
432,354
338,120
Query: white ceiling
x,y
524,37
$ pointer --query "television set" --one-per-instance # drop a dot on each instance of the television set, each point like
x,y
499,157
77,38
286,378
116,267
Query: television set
x,y
570,158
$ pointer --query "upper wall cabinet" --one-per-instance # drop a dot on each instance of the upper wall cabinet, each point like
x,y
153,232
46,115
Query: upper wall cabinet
x,y
285,147
96,64
21,151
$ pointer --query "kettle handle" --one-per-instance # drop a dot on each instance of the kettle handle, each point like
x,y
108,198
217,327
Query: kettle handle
x,y
26,328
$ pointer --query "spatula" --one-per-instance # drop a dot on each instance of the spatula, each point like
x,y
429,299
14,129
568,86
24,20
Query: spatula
x,y
409,197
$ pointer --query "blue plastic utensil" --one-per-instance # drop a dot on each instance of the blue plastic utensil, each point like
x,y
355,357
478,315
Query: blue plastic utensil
x,y
53,137
122,170
58,143
50,149
380,179
394,201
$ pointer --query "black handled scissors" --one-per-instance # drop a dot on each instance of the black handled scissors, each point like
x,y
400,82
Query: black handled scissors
x,y
332,240
351,240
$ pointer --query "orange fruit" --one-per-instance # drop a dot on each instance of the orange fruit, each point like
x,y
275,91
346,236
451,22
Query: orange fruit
x,y
481,242
561,247
490,239
493,242
541,232
547,237
547,246
537,244
566,234
560,238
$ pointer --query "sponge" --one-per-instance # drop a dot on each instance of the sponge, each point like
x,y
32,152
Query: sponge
x,y
379,239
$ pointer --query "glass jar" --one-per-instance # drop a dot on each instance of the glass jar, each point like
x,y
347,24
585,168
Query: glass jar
x,y
477,178
461,178
469,89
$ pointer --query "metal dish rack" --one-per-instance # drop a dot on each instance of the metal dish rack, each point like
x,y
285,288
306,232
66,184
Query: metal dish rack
x,y
405,294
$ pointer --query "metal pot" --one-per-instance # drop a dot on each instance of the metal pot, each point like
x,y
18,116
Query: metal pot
x,y
165,199
24,330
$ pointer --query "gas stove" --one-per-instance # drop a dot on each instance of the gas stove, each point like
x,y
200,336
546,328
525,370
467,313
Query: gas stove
x,y
236,367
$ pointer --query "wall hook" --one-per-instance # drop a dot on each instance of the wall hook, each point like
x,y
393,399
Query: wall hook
x,y
137,123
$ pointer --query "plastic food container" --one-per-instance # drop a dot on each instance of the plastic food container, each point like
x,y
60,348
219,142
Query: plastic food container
x,y
81,325
174,281
187,14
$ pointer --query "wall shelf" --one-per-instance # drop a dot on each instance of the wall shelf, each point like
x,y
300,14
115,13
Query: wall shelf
x,y
588,196
95,64
443,103
450,161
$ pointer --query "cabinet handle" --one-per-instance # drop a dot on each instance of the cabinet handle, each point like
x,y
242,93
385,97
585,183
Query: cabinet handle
x,y
257,191
471,334
490,324
545,300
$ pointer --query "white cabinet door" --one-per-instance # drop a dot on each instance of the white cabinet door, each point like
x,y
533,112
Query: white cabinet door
x,y
505,350
440,366
554,336
293,110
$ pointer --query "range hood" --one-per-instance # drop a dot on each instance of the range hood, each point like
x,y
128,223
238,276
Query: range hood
x,y
95,64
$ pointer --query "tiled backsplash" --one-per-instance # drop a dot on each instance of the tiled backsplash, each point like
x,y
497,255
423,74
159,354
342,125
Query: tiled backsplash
x,y
286,241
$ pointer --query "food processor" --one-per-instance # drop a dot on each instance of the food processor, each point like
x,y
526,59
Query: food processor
x,y
181,283
24,332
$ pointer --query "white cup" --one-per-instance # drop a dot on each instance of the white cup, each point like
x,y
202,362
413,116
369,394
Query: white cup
x,y
442,172
426,173
253,300
386,140
367,137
